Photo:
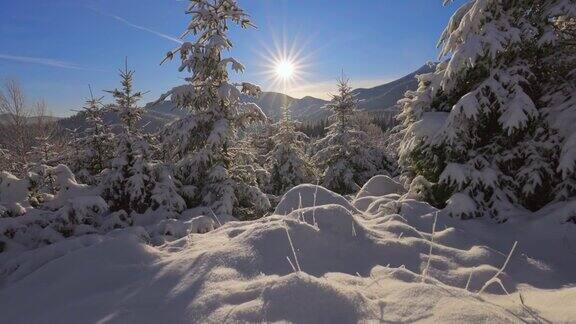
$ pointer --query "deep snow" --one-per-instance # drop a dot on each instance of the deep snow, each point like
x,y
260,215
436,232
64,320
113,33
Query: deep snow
x,y
360,261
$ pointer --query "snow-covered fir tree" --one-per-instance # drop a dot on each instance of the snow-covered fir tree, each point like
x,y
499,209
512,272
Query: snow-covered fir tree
x,y
288,163
92,150
346,156
489,125
45,143
44,151
258,143
259,137
201,141
133,182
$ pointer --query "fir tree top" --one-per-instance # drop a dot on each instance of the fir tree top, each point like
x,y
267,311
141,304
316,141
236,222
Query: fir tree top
x,y
93,111
127,100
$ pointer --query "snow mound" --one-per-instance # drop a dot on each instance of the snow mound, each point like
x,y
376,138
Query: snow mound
x,y
308,195
354,268
380,185
69,189
13,194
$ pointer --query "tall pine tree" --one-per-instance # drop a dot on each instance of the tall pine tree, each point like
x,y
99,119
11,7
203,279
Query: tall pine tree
x,y
134,183
201,141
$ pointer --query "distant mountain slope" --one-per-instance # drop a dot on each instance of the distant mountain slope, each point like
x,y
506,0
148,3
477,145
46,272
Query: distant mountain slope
x,y
270,102
4,118
380,98
387,95
151,121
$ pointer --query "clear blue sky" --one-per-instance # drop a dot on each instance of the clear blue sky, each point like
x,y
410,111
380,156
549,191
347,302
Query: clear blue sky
x,y
56,48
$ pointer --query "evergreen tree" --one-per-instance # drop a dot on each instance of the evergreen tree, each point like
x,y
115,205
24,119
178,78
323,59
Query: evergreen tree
x,y
259,137
288,163
201,141
134,182
44,150
346,155
92,151
483,124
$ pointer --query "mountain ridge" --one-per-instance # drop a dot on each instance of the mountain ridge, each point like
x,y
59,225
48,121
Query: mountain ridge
x,y
381,98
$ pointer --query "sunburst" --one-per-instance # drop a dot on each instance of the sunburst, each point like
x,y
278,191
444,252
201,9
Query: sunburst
x,y
285,69
284,65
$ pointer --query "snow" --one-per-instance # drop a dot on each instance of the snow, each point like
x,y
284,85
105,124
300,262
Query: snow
x,y
13,193
380,185
308,195
69,189
356,267
429,125
128,247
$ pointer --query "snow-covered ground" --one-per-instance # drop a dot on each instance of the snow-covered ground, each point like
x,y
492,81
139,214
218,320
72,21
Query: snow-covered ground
x,y
361,259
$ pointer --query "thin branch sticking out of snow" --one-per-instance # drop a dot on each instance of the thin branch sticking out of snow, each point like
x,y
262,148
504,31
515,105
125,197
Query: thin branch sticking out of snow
x,y
425,272
495,279
300,214
353,230
314,204
291,264
469,277
293,251
218,220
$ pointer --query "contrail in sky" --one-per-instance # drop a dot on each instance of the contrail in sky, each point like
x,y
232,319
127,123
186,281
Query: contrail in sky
x,y
41,61
146,29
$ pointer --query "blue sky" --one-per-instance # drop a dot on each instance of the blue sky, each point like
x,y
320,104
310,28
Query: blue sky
x,y
56,48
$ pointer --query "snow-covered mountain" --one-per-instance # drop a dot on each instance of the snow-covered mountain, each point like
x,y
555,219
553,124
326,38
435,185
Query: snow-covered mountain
x,y
270,102
379,98
387,95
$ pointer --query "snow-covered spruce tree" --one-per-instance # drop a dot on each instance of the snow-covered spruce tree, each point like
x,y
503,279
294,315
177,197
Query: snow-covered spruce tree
x,y
259,137
201,141
92,150
132,183
484,126
559,42
43,152
288,163
259,143
346,156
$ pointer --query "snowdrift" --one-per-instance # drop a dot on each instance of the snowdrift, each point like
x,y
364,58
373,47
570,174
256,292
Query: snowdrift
x,y
356,264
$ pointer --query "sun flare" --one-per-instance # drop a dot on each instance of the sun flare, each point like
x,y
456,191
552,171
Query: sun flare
x,y
285,69
285,64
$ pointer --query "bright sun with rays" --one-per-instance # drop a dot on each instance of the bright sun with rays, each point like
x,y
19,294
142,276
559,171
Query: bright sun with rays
x,y
285,64
285,69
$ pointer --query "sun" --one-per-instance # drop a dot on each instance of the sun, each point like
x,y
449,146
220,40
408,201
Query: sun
x,y
284,64
285,69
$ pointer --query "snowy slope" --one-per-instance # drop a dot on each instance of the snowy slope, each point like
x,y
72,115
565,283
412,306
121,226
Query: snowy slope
x,y
360,261
387,95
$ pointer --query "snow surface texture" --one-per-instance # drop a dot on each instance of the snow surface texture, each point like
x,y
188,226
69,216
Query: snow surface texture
x,y
358,264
